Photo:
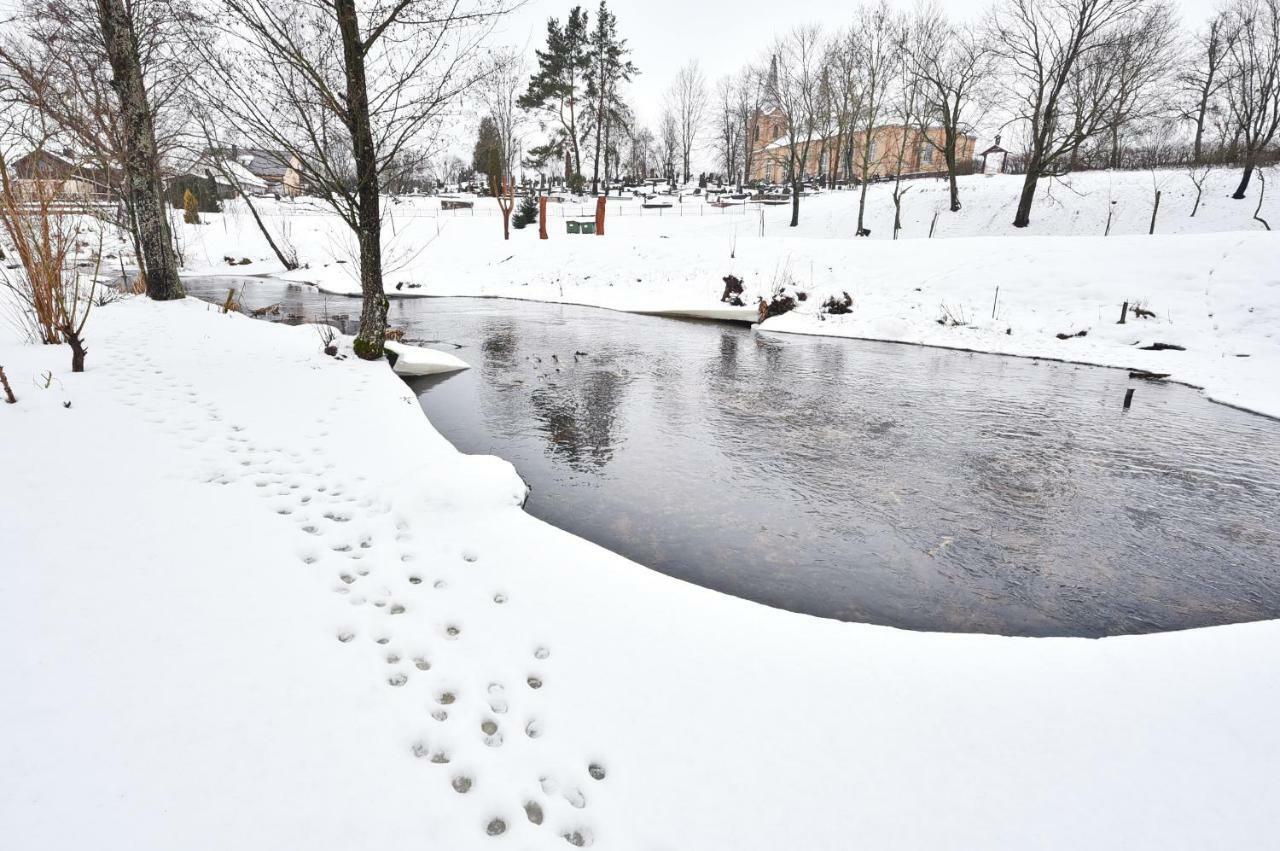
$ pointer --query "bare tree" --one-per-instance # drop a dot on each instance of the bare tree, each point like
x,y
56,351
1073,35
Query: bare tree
x,y
729,128
54,62
687,102
907,104
501,93
796,90
1136,65
343,90
1198,174
641,160
668,149
1049,49
951,64
844,86
748,97
1253,80
1201,82
879,56
141,156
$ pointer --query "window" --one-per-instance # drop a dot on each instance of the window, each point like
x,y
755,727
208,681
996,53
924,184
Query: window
x,y
926,154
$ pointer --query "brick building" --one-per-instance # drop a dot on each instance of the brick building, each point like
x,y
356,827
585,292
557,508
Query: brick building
x,y
771,160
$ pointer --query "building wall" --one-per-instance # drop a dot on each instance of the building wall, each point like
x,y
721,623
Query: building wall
x,y
770,164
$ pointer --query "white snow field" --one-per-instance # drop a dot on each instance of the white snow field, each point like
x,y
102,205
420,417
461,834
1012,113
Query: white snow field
x,y
255,601
1213,281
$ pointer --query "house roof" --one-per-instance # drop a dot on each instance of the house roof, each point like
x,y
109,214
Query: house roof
x,y
208,162
994,149
264,163
244,176
785,141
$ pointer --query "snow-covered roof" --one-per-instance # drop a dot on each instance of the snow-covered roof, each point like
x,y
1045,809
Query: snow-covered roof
x,y
264,163
244,176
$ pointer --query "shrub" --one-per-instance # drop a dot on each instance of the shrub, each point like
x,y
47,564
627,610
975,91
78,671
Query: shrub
x,y
526,213
190,208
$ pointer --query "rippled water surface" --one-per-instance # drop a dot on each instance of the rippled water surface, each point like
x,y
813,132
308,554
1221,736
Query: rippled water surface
x,y
916,487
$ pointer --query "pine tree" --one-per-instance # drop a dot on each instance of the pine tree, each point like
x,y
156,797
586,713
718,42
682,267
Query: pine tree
x,y
557,87
607,68
190,208
526,213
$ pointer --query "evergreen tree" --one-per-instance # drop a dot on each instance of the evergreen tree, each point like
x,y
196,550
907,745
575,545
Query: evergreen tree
x,y
608,67
487,157
557,87
190,208
526,213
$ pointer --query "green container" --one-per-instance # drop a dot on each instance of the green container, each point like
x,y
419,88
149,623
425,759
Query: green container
x,y
588,227
572,226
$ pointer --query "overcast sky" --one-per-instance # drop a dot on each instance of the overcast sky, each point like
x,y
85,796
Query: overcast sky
x,y
721,34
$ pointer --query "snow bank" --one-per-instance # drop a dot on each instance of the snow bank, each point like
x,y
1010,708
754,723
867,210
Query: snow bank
x,y
415,360
254,600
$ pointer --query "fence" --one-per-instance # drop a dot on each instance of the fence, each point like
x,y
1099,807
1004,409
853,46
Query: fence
x,y
484,207
1145,158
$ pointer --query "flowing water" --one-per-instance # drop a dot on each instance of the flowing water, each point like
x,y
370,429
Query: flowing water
x,y
916,487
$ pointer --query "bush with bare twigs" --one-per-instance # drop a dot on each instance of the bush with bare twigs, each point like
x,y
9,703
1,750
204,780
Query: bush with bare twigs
x,y
50,238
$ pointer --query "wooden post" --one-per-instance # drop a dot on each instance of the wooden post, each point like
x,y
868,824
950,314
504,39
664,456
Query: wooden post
x,y
542,217
1154,211
1124,312
1128,398
600,202
995,301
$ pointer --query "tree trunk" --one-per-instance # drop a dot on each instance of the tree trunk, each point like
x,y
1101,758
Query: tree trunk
x,y
1197,145
573,137
795,203
141,160
1244,179
595,166
288,262
373,314
862,198
1023,217
78,351
949,154
134,235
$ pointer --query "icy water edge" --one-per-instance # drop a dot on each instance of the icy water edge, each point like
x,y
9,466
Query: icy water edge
x,y
873,482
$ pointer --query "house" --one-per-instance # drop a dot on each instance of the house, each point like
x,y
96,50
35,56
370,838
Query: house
x,y
64,174
771,162
279,170
229,178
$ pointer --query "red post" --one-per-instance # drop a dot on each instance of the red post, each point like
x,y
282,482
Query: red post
x,y
542,217
600,201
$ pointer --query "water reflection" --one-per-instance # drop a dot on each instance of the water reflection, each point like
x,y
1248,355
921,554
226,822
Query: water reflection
x,y
915,487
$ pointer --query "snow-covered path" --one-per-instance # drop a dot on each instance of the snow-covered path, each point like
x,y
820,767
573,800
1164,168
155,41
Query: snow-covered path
x,y
254,600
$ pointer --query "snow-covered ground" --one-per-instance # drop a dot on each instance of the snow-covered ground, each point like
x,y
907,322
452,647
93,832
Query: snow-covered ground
x,y
254,600
1213,281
